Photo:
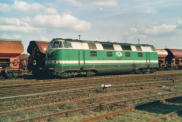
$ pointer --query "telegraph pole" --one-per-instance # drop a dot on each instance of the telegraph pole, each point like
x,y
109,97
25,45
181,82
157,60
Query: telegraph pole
x,y
138,41
79,36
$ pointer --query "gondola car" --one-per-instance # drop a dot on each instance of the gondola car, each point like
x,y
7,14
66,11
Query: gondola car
x,y
69,57
10,51
174,58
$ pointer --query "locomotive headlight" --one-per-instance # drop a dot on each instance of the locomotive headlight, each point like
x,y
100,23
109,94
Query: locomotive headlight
x,y
15,62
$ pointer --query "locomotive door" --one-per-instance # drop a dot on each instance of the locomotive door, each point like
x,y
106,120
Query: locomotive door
x,y
81,58
148,59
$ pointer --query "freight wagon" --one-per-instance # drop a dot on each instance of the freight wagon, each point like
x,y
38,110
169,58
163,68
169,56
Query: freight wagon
x,y
170,58
162,54
10,51
68,57
174,58
36,61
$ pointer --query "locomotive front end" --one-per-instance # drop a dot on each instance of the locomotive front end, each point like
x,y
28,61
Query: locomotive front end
x,y
54,56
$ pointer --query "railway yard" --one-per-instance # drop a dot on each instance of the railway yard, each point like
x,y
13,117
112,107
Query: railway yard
x,y
123,97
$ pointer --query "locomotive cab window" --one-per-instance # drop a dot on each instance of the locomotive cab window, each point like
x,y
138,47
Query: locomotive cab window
x,y
109,54
93,53
57,44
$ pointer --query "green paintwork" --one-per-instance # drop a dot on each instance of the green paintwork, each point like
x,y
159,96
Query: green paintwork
x,y
82,56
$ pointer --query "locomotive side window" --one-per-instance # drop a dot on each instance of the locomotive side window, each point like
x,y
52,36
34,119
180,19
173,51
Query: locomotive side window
x,y
108,46
140,55
109,54
93,53
127,54
92,46
67,44
126,47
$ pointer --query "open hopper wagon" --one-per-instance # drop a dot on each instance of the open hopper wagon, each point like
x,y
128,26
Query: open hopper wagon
x,y
10,51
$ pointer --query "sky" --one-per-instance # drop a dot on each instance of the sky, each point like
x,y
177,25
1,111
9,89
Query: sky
x,y
156,22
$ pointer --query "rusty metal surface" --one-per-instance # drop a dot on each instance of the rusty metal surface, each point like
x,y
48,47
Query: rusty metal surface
x,y
177,53
162,53
11,47
109,114
41,45
23,57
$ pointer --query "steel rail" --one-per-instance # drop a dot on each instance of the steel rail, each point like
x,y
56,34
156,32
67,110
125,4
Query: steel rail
x,y
80,100
128,109
132,109
122,102
80,79
92,86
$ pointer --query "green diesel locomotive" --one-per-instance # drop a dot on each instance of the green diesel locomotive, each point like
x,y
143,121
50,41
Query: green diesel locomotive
x,y
69,57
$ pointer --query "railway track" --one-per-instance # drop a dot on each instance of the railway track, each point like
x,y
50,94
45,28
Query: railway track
x,y
70,94
47,100
20,81
27,88
117,103
131,109
97,100
85,99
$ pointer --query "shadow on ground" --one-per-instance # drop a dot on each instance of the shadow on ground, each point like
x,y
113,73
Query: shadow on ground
x,y
162,108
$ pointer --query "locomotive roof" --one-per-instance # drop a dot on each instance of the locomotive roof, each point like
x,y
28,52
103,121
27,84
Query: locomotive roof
x,y
88,41
8,46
